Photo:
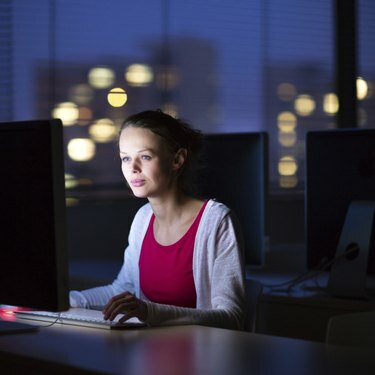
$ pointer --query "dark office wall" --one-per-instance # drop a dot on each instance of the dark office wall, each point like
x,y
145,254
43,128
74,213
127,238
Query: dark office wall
x,y
99,229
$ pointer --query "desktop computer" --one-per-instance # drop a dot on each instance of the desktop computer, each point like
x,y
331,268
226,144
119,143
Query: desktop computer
x,y
340,201
33,253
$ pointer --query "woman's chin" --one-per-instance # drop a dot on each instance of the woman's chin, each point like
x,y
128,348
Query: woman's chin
x,y
139,194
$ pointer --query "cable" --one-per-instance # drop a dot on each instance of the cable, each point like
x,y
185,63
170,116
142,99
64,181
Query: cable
x,y
309,274
52,323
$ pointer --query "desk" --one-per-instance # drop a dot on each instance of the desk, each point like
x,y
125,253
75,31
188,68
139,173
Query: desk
x,y
303,315
304,312
186,350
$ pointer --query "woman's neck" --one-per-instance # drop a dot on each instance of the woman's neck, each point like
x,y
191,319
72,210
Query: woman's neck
x,y
170,208
173,217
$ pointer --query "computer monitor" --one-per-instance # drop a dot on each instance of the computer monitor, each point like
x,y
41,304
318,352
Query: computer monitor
x,y
235,172
33,256
340,193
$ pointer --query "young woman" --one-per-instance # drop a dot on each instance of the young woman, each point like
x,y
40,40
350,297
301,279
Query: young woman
x,y
184,262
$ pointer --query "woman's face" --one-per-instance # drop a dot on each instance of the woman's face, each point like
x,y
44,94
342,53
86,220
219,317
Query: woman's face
x,y
145,162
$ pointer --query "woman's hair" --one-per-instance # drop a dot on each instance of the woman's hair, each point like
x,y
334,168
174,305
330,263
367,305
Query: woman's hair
x,y
175,134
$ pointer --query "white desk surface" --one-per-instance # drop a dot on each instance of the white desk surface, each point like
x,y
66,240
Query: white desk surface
x,y
189,350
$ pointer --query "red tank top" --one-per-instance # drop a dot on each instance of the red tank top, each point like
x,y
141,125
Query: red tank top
x,y
166,272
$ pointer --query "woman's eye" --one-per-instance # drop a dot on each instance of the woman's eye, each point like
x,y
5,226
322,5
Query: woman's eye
x,y
146,157
125,159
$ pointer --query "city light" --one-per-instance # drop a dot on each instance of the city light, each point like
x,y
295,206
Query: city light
x,y
288,139
288,182
139,75
67,112
84,115
117,97
330,104
287,165
81,94
362,88
286,91
81,149
70,181
103,130
286,122
304,105
101,77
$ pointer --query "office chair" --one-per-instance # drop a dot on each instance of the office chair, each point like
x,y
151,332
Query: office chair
x,y
354,329
253,289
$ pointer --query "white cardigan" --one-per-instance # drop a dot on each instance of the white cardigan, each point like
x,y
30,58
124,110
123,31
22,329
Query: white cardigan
x,y
218,270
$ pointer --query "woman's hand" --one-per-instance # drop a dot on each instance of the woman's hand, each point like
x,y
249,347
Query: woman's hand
x,y
127,304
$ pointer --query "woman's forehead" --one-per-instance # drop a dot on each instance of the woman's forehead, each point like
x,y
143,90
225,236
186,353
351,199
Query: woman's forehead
x,y
139,138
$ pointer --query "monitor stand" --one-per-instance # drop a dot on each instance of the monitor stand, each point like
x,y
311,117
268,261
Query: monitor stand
x,y
348,274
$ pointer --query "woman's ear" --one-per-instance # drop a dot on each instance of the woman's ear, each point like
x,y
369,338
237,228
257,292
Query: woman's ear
x,y
179,159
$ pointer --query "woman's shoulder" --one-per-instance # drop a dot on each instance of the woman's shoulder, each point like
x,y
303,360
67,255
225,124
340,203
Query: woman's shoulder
x,y
143,214
216,209
213,204
144,210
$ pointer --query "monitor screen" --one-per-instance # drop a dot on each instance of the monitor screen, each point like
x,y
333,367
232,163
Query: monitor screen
x,y
235,172
33,258
340,169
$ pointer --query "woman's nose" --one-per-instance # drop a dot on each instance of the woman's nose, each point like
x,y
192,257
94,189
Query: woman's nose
x,y
135,167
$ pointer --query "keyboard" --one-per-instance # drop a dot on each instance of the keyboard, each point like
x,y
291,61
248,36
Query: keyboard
x,y
80,317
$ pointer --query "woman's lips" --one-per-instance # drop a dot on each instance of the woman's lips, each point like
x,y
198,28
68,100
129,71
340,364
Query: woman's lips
x,y
137,182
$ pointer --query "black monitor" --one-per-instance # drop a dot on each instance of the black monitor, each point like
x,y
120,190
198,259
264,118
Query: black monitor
x,y
340,194
33,256
235,172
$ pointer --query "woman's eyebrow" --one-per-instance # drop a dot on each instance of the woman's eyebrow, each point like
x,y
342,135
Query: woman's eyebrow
x,y
139,151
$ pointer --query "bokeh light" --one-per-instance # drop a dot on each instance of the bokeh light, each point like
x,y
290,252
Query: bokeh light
x,y
81,149
139,75
117,97
67,112
101,77
304,105
103,130
287,165
81,94
330,103
362,88
286,91
286,122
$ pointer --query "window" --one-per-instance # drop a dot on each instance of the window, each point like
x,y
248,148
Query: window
x,y
256,65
